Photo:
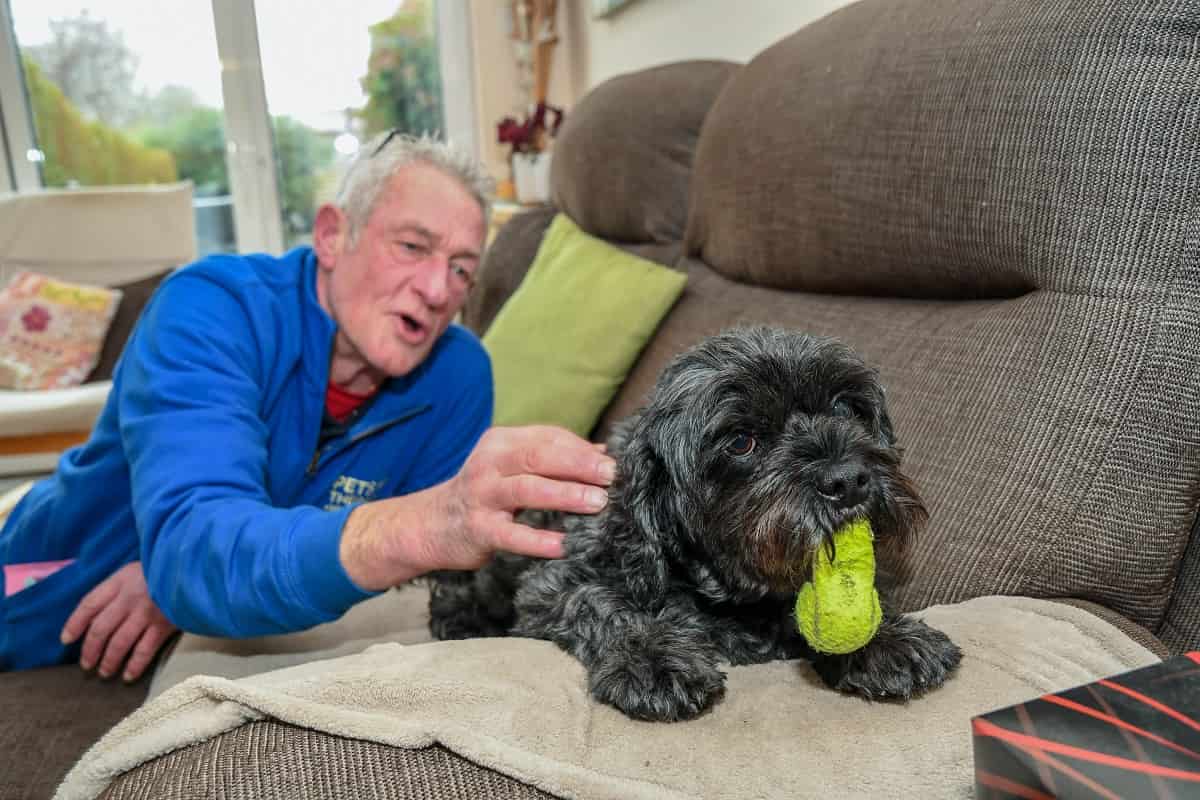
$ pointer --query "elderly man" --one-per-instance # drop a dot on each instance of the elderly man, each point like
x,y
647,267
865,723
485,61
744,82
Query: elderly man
x,y
288,436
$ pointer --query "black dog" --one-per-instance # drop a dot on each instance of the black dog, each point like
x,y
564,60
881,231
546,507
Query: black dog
x,y
754,447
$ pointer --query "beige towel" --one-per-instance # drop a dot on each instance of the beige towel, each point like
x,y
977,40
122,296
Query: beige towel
x,y
521,707
401,616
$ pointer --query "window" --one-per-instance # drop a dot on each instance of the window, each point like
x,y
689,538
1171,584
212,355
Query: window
x,y
377,69
256,103
130,94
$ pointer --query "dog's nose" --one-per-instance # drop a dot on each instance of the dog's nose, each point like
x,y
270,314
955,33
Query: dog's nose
x,y
845,483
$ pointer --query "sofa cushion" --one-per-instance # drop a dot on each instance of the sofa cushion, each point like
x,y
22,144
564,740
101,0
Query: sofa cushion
x,y
1181,628
622,160
553,365
134,296
1052,436
51,331
511,254
955,148
1040,160
51,716
271,760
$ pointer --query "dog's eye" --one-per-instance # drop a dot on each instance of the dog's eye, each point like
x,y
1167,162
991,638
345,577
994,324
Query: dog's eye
x,y
842,408
741,445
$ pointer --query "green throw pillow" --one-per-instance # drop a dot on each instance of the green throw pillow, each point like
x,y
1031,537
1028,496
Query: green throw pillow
x,y
564,341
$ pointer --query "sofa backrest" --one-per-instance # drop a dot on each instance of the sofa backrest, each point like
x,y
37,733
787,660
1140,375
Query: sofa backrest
x,y
999,205
623,160
104,235
622,170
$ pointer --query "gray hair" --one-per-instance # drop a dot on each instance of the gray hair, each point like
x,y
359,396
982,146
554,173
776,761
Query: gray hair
x,y
370,172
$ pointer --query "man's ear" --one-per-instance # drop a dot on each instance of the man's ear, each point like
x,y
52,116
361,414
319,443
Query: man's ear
x,y
330,235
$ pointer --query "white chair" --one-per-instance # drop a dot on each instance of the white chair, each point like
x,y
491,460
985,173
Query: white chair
x,y
106,236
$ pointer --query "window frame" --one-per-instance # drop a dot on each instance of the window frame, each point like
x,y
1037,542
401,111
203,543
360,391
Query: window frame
x,y
17,172
249,142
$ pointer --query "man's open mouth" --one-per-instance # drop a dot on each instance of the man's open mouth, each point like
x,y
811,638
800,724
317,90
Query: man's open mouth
x,y
412,325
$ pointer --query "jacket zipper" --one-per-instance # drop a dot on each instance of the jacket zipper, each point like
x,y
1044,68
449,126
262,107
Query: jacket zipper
x,y
358,437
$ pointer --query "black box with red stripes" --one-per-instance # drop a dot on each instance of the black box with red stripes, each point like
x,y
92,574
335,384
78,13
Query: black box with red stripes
x,y
1135,735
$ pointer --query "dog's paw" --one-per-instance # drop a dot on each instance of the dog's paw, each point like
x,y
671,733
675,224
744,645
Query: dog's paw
x,y
657,686
906,658
465,626
459,608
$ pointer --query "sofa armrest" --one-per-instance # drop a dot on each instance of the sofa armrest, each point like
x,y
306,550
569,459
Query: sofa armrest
x,y
51,411
36,427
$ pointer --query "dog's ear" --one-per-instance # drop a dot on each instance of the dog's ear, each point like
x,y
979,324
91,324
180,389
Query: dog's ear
x,y
886,434
883,421
644,515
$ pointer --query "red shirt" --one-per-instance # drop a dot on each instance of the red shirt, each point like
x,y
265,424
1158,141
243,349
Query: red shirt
x,y
340,403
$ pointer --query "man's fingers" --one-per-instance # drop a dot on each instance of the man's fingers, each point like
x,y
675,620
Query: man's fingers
x,y
101,627
532,491
143,653
120,643
554,453
514,537
92,604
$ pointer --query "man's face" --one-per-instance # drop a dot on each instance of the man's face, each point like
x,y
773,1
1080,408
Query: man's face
x,y
396,289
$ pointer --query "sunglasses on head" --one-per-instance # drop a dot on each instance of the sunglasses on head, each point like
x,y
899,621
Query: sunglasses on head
x,y
392,134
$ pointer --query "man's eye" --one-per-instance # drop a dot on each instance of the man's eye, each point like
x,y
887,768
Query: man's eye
x,y
462,274
741,445
412,247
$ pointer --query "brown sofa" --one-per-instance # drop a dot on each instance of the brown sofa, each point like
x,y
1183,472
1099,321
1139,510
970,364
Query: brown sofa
x,y
996,203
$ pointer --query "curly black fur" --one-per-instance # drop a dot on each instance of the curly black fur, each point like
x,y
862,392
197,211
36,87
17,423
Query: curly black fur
x,y
754,447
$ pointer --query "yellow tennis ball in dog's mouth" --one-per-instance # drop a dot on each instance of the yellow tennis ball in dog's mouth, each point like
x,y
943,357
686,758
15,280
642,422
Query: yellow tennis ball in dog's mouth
x,y
838,610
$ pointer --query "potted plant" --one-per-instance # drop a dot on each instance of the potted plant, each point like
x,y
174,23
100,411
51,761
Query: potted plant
x,y
529,158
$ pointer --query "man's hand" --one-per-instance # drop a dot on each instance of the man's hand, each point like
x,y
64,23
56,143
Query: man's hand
x,y
461,523
515,468
118,616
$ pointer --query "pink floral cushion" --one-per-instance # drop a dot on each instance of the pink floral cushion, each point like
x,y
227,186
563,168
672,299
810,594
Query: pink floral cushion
x,y
51,331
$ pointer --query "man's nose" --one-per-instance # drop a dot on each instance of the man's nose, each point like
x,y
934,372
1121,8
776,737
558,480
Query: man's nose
x,y
433,283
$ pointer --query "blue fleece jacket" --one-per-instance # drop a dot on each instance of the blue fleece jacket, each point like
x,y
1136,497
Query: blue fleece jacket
x,y
205,464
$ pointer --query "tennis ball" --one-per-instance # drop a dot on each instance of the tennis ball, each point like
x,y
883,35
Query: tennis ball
x,y
838,610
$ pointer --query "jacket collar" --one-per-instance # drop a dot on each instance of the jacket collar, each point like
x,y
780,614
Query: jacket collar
x,y
318,326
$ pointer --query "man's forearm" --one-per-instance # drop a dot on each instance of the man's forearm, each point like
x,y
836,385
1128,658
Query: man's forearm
x,y
387,542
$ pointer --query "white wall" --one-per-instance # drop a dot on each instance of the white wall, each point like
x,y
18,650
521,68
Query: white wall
x,y
643,34
496,91
650,32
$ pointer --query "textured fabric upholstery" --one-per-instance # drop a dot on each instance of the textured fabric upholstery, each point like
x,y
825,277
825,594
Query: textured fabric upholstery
x,y
1029,425
274,761
623,158
1181,628
1037,164
1130,629
50,716
505,263
951,149
134,296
